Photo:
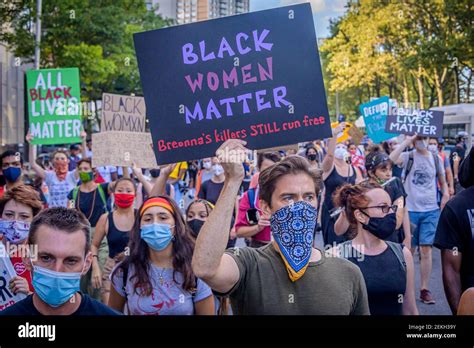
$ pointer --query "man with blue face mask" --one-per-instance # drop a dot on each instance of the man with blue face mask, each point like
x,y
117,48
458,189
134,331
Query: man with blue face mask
x,y
63,256
288,275
12,165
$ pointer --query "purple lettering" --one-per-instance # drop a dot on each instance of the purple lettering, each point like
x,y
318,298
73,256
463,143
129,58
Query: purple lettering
x,y
259,44
210,56
212,108
232,77
196,114
189,57
225,47
238,40
227,101
261,105
212,81
268,74
278,94
243,98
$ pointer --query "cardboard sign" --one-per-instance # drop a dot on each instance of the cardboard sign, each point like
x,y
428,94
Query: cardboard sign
x,y
355,134
410,121
122,113
122,149
7,272
54,99
255,77
375,117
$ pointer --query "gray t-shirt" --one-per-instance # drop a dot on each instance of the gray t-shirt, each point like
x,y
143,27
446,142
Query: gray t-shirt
x,y
421,183
330,286
167,298
59,189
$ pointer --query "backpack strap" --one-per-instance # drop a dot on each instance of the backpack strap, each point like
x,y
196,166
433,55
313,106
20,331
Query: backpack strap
x,y
398,251
251,196
102,197
409,165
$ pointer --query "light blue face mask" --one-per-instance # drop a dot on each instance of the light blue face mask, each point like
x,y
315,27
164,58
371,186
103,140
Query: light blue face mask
x,y
55,288
157,236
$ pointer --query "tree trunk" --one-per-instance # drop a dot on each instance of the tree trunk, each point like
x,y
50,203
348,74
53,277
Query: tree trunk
x,y
439,89
406,92
419,81
456,85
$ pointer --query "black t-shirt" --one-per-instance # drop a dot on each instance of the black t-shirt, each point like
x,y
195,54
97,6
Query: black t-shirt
x,y
456,230
88,306
85,203
460,151
210,191
396,190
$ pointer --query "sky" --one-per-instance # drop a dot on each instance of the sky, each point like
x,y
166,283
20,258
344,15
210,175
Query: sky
x,y
323,11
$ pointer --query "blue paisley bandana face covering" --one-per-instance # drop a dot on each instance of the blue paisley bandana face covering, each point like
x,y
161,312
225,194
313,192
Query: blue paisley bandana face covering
x,y
293,228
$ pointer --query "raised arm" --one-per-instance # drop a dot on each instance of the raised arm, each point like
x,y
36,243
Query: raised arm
x,y
395,155
210,263
141,178
160,185
84,144
32,155
328,161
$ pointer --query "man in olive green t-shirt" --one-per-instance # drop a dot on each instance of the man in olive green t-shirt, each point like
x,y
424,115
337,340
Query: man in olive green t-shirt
x,y
288,276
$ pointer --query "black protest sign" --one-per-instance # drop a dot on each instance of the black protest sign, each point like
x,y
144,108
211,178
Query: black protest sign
x,y
410,121
255,77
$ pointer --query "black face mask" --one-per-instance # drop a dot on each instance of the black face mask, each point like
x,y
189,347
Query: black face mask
x,y
312,157
154,173
195,226
381,227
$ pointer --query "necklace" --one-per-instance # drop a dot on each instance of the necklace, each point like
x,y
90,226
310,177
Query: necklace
x,y
92,206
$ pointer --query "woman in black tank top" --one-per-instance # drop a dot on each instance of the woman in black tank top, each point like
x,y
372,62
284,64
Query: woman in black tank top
x,y
116,227
337,171
387,267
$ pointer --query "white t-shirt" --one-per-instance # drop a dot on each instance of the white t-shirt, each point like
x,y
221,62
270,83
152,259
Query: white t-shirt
x,y
421,183
58,190
106,172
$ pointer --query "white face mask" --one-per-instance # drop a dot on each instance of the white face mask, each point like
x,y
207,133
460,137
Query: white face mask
x,y
433,148
340,152
206,165
218,170
421,144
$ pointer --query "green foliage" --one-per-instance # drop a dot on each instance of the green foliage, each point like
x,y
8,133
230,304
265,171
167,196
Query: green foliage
x,y
410,50
94,35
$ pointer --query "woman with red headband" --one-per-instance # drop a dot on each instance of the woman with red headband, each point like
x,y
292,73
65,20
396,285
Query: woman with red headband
x,y
116,226
157,277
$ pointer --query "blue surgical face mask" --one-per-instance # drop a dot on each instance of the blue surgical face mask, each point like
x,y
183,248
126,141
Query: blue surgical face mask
x,y
55,288
12,174
157,236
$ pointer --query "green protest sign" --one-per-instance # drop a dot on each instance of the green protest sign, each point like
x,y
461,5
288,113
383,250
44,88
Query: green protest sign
x,y
54,98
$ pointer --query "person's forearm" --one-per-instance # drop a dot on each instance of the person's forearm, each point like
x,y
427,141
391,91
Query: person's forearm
x,y
141,178
406,229
213,237
36,168
95,260
449,178
452,287
341,225
455,169
125,172
247,231
395,154
84,148
329,159
159,189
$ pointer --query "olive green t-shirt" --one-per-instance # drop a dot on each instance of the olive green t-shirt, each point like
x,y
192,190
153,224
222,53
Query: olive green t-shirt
x,y
330,286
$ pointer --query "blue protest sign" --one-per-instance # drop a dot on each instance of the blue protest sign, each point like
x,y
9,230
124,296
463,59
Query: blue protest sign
x,y
375,117
255,77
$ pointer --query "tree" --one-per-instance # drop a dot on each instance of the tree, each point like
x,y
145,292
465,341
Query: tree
x,y
94,35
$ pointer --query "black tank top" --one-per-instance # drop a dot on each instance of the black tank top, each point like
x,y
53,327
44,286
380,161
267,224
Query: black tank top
x,y
117,239
332,182
385,279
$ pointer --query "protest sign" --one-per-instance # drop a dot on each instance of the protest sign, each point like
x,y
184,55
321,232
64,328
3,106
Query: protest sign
x,y
122,113
355,134
54,98
7,272
121,149
410,121
375,116
255,77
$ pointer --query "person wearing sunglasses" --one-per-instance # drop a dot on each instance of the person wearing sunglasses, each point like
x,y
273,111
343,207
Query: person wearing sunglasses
x,y
387,267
